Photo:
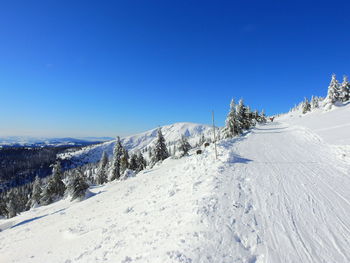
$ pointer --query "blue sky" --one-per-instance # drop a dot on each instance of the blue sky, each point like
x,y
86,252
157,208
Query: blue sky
x,y
107,68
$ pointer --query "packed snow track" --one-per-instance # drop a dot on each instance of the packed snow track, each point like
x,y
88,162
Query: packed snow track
x,y
300,192
277,194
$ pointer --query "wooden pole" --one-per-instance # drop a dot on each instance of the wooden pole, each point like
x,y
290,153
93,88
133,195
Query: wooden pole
x,y
216,153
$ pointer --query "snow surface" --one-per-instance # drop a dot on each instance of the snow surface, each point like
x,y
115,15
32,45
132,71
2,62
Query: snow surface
x,y
172,133
276,194
332,125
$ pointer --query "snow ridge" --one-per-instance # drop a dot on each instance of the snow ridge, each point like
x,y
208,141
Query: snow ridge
x,y
172,133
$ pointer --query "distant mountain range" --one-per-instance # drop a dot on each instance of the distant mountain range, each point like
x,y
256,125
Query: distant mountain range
x,y
139,142
28,141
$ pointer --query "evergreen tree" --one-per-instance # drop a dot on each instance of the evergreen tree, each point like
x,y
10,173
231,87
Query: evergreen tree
x,y
333,92
102,169
262,117
231,128
11,209
3,208
11,206
55,187
201,140
241,122
77,186
184,146
314,102
60,187
117,155
36,194
150,153
160,151
248,118
141,162
256,116
124,161
306,106
344,91
133,162
90,176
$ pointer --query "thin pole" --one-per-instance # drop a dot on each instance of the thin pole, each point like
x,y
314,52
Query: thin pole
x,y
216,153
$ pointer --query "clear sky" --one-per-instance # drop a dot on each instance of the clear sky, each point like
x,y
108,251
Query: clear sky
x,y
107,68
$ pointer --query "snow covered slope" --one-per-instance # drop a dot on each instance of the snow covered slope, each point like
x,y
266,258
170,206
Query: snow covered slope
x,y
277,194
172,133
331,125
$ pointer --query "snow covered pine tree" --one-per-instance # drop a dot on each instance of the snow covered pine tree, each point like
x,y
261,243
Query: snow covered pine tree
x,y
117,154
36,194
344,91
3,208
55,187
306,106
77,186
102,169
241,122
230,129
333,93
124,161
160,151
314,102
141,162
184,146
133,162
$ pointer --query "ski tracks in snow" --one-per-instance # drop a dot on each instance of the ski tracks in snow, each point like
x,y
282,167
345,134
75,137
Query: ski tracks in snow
x,y
232,233
276,194
279,194
299,192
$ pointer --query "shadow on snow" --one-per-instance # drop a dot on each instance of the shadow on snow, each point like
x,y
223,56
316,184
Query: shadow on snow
x,y
28,221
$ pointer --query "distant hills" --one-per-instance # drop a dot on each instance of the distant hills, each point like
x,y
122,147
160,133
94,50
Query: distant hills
x,y
27,141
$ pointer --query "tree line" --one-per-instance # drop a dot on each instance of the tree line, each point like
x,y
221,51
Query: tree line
x,y
20,165
241,118
74,183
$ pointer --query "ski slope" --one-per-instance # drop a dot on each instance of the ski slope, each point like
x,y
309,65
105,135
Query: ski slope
x,y
332,125
300,194
280,193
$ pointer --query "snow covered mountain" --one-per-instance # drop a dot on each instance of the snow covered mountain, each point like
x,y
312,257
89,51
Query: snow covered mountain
x,y
172,133
42,141
280,193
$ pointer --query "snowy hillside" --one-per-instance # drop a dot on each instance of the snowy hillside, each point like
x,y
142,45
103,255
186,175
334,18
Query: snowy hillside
x,y
276,194
172,133
332,125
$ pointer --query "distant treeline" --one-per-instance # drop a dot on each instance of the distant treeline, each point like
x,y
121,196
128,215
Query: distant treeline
x,y
20,165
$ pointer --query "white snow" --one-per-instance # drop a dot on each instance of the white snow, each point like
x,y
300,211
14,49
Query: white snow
x,y
277,194
172,133
332,125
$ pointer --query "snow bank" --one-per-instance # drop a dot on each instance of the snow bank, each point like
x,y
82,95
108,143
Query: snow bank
x,y
333,126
